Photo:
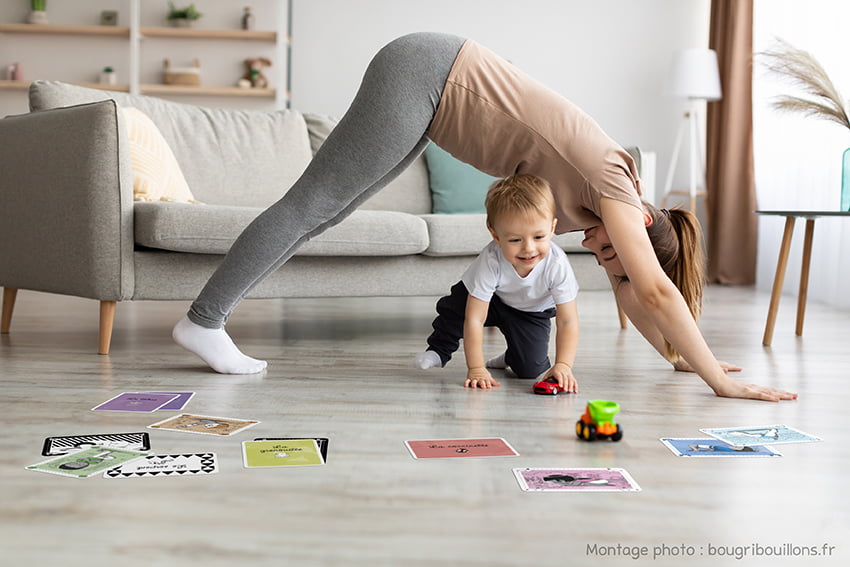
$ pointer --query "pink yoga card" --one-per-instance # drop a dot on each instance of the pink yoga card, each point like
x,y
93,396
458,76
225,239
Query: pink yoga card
x,y
460,448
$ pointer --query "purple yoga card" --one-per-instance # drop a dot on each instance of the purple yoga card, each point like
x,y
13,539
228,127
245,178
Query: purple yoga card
x,y
136,401
177,403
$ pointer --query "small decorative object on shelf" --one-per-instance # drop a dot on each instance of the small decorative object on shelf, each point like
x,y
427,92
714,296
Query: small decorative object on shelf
x,y
182,17
254,73
109,18
14,72
182,76
247,19
39,12
108,76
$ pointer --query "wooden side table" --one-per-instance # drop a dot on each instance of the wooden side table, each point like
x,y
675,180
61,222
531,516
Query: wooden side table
x,y
779,278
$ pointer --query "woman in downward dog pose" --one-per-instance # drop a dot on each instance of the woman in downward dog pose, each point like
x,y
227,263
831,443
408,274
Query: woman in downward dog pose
x,y
487,113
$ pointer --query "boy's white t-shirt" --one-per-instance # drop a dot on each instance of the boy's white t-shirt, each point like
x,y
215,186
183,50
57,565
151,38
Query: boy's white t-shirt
x,y
551,282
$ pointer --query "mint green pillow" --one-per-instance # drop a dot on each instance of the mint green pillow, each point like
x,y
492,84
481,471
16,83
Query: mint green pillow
x,y
456,187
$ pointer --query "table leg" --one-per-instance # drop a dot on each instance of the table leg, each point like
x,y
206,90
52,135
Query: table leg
x,y
804,275
778,280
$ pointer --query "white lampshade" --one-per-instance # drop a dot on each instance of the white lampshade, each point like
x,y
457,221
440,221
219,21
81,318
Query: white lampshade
x,y
694,75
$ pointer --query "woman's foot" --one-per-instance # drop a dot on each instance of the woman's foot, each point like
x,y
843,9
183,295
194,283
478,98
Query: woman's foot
x,y
216,348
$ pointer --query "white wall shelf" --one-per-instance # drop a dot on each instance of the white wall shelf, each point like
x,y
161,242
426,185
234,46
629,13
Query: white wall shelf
x,y
137,37
24,85
204,91
156,89
192,33
50,29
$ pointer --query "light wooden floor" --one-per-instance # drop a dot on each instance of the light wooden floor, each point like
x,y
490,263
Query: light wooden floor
x,y
341,369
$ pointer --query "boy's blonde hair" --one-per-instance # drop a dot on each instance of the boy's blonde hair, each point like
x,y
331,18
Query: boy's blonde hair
x,y
521,194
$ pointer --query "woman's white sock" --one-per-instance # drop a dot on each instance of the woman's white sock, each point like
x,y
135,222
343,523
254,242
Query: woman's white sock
x,y
216,348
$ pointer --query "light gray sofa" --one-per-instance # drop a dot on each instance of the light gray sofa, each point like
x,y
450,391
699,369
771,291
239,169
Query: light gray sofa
x,y
69,224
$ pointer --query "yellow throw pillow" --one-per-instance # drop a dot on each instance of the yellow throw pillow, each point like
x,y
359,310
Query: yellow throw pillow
x,y
156,173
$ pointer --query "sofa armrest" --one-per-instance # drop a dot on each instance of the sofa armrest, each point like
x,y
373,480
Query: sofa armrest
x,y
66,203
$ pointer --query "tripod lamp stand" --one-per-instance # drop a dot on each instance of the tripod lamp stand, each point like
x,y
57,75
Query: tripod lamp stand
x,y
694,76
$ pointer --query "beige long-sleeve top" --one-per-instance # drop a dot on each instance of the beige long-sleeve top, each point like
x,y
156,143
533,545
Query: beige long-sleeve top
x,y
498,119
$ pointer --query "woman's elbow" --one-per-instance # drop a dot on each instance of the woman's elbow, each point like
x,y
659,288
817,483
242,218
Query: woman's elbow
x,y
656,294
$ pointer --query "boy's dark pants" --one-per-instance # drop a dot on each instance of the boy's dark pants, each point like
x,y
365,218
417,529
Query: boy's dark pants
x,y
526,333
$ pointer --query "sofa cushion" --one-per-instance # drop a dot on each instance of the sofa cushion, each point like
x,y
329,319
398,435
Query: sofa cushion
x,y
156,173
461,235
212,229
408,192
318,128
228,157
456,187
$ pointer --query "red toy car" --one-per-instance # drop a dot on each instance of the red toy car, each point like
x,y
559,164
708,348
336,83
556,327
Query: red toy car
x,y
548,386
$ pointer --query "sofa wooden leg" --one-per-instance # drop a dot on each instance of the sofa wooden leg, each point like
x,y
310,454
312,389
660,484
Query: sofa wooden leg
x,y
9,295
107,316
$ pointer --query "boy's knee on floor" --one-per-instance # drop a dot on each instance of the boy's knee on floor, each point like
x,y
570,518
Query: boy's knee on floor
x,y
529,371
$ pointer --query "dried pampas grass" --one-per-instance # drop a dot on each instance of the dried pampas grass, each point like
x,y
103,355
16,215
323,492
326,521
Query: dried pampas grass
x,y
804,71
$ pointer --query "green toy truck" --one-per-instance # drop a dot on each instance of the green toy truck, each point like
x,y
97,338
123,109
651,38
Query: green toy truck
x,y
598,421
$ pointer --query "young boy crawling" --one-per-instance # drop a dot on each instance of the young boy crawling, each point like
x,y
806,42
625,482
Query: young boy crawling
x,y
517,284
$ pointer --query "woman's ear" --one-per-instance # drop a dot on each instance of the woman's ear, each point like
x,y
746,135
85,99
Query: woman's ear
x,y
647,219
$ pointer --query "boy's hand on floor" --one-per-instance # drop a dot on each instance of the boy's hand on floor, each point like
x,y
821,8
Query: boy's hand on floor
x,y
564,375
479,378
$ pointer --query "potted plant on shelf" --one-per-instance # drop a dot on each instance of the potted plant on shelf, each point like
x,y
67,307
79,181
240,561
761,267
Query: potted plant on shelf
x,y
39,12
182,17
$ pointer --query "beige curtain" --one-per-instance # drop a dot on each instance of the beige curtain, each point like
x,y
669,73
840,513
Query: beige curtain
x,y
732,230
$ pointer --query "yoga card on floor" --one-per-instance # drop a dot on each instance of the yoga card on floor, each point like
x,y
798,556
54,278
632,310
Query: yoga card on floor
x,y
86,463
204,424
575,480
281,453
177,403
460,448
322,442
710,447
760,435
54,446
136,401
184,464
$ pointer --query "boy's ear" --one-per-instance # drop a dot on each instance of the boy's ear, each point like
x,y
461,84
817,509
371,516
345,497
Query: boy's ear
x,y
493,233
554,224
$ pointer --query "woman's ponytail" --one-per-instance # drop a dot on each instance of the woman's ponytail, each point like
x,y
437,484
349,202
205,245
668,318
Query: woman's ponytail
x,y
676,236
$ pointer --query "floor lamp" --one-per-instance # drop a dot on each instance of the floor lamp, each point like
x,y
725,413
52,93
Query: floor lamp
x,y
694,76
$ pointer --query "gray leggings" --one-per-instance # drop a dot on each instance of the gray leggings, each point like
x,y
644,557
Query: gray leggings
x,y
382,133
